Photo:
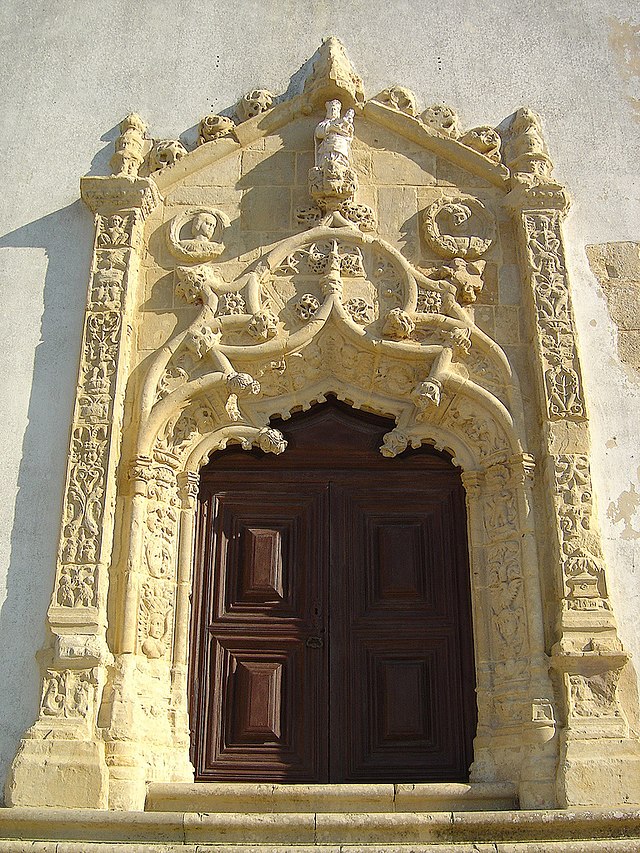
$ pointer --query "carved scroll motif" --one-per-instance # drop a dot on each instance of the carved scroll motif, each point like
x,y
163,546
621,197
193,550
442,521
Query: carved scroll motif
x,y
563,384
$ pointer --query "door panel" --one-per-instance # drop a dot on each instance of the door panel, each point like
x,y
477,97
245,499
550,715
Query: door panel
x,y
401,638
263,691
331,636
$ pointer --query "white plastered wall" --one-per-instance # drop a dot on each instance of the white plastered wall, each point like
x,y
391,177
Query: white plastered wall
x,y
72,70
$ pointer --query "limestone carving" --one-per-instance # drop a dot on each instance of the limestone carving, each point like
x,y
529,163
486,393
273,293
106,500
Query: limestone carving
x,y
426,395
165,153
66,694
154,621
595,695
466,276
443,119
525,152
213,127
328,307
263,325
458,227
562,380
485,140
253,103
115,231
108,280
332,180
398,325
195,235
129,148
333,75
307,306
399,98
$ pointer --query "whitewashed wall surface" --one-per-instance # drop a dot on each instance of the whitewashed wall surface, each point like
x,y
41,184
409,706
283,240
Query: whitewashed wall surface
x,y
72,70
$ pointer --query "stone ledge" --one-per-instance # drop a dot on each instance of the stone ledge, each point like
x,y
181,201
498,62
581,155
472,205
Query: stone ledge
x,y
269,798
602,846
534,831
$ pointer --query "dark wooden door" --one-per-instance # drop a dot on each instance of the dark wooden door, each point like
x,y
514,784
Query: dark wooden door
x,y
332,634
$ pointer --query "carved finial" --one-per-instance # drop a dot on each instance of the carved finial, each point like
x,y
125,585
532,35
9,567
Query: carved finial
x,y
333,76
442,118
531,167
129,147
399,98
253,103
214,127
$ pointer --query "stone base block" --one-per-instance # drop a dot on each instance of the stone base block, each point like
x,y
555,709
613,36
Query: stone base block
x,y
67,774
599,773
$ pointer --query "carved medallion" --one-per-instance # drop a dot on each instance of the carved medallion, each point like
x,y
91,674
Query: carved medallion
x,y
459,227
196,234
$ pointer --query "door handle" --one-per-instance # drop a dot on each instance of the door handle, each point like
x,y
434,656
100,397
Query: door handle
x,y
315,642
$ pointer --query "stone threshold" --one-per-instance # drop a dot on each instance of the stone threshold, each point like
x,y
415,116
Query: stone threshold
x,y
71,830
272,798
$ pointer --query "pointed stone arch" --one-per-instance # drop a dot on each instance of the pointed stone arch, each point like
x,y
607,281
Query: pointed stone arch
x,y
208,315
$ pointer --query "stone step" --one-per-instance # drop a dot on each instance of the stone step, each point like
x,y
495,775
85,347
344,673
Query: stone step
x,y
273,798
75,830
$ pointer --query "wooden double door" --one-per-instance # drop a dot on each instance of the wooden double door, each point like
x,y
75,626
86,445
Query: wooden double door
x,y
332,636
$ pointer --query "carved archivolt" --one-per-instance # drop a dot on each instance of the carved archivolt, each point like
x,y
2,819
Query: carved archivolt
x,y
331,307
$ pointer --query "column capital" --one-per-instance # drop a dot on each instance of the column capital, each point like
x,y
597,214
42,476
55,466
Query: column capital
x,y
108,195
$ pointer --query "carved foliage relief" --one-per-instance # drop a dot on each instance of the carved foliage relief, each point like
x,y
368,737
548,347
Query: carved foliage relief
x,y
84,501
562,379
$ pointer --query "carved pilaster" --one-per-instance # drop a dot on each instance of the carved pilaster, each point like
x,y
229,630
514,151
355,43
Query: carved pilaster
x,y
76,662
587,658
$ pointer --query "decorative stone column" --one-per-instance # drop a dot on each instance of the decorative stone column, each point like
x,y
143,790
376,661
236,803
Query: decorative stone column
x,y
599,763
62,754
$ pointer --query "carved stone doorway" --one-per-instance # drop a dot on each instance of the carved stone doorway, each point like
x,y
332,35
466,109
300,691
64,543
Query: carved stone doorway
x,y
332,637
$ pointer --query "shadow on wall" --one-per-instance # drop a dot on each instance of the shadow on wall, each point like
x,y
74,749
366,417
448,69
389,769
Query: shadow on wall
x,y
66,237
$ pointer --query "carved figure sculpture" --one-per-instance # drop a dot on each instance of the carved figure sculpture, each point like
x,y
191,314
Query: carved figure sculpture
x,y
333,136
203,241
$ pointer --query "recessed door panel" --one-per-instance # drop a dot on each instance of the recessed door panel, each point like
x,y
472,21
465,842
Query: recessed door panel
x,y
261,709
